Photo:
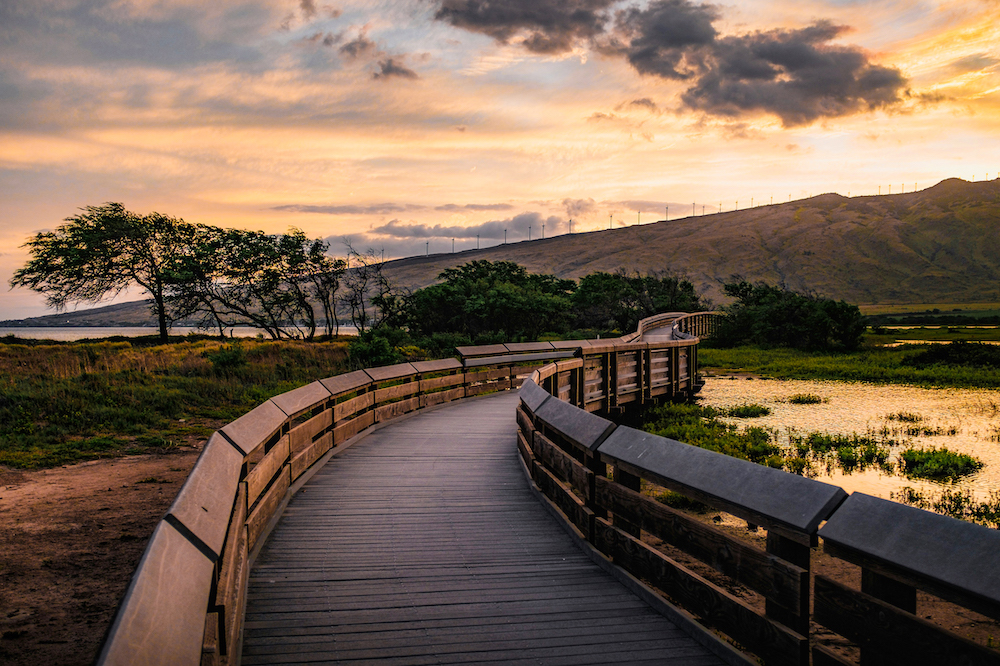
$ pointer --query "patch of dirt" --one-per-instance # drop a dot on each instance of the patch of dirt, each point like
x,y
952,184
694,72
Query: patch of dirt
x,y
70,540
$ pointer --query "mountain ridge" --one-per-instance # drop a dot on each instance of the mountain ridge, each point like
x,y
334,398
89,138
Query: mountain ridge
x,y
938,245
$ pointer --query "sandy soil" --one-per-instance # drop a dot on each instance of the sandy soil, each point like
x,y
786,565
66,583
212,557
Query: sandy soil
x,y
70,539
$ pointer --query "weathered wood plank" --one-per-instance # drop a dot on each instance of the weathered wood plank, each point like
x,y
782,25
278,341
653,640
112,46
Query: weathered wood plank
x,y
890,635
344,431
788,504
308,456
261,515
232,569
562,464
301,437
777,644
560,494
436,383
932,552
352,406
395,392
260,476
394,409
776,579
439,397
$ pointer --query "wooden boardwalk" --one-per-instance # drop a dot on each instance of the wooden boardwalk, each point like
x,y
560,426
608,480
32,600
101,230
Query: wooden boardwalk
x,y
423,544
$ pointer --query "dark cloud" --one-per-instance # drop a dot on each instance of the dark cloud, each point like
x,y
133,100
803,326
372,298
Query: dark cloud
x,y
474,207
578,207
372,209
642,103
669,38
308,8
799,75
359,47
516,228
795,74
547,26
389,68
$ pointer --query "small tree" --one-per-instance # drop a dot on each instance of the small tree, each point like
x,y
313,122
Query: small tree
x,y
369,295
103,251
273,282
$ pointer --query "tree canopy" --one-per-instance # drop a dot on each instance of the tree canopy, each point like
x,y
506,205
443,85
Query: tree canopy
x,y
497,297
102,251
285,284
776,316
619,300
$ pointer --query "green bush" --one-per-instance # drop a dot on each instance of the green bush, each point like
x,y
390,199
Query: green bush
x,y
775,316
937,464
748,411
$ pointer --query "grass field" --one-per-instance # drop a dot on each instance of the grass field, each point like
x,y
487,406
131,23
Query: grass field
x,y
875,362
971,309
62,403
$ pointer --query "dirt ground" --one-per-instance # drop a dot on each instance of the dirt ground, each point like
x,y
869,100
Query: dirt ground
x,y
70,539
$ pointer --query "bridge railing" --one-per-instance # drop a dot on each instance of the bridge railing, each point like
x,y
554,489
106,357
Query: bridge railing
x,y
185,603
569,452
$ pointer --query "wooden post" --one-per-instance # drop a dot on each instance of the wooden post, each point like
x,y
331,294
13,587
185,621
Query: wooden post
x,y
799,555
632,482
892,592
599,468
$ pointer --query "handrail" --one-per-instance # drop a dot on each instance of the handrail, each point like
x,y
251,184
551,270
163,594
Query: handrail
x,y
186,600
567,452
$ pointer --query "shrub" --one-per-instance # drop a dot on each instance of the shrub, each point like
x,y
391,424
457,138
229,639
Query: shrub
x,y
805,399
937,464
747,411
776,316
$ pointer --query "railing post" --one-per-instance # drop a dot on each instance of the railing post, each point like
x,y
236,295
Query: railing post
x,y
800,555
632,482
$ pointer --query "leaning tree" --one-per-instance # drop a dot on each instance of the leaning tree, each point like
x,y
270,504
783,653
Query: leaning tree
x,y
101,252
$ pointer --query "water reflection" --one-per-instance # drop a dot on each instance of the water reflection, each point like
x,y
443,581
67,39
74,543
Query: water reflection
x,y
972,415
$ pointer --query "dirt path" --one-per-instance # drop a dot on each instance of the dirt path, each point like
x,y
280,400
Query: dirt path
x,y
70,539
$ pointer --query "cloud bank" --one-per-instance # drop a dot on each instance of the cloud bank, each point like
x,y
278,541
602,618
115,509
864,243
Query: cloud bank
x,y
798,75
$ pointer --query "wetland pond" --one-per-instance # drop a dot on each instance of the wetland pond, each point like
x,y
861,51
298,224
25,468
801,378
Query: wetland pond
x,y
962,420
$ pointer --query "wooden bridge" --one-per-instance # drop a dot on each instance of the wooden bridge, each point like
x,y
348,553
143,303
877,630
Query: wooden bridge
x,y
385,517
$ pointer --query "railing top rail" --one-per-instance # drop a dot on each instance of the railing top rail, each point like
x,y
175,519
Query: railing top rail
x,y
346,383
790,504
299,400
389,372
927,546
439,365
551,355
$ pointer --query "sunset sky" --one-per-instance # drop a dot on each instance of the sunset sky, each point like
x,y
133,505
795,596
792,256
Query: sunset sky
x,y
404,124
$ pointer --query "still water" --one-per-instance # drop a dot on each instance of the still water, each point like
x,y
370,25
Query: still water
x,y
972,414
70,333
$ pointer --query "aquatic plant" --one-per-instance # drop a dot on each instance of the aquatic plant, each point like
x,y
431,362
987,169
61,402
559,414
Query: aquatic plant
x,y
746,411
937,464
806,399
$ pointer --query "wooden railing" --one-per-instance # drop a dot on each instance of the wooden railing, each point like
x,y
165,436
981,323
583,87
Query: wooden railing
x,y
186,601
568,453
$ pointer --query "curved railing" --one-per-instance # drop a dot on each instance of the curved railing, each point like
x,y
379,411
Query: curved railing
x,y
186,601
567,451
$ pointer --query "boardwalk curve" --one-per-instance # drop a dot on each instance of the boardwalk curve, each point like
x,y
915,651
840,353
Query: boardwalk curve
x,y
422,544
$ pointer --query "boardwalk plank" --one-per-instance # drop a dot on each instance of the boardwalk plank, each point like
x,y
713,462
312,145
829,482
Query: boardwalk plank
x,y
421,544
